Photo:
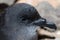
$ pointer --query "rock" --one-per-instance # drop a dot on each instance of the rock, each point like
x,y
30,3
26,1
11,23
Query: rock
x,y
8,2
44,34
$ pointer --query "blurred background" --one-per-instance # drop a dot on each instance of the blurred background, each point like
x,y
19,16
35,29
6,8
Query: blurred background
x,y
49,9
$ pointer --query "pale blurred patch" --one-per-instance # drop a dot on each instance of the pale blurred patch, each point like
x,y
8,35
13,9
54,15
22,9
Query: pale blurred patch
x,y
9,2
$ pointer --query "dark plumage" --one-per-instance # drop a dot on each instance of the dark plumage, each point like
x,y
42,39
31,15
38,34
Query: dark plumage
x,y
17,22
17,19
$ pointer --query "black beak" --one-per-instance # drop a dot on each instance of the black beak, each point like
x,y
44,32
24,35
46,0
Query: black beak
x,y
51,25
44,24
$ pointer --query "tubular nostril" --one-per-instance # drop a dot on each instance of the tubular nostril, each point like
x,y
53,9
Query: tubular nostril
x,y
40,22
